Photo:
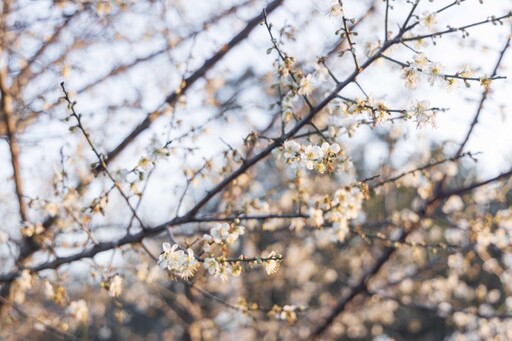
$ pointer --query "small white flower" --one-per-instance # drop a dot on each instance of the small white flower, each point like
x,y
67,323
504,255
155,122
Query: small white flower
x,y
211,265
423,114
453,204
341,230
466,72
435,73
116,286
420,61
312,153
316,217
78,310
291,149
321,73
336,10
428,19
410,76
272,265
305,86
144,163
52,209
49,292
220,233
177,262
25,280
334,148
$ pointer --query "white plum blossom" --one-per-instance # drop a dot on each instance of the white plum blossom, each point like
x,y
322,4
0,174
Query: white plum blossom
x,y
306,86
313,157
177,262
212,266
328,149
348,201
336,10
224,233
423,114
272,265
115,286
78,310
434,73
310,155
420,61
220,233
428,19
411,77
346,204
466,72
316,217
207,241
453,204
292,152
291,149
321,73
341,229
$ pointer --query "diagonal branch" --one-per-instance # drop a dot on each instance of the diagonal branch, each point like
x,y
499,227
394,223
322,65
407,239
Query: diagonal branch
x,y
485,94
29,246
188,82
189,217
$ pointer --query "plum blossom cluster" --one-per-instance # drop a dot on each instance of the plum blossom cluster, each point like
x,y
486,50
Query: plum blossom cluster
x,y
313,157
78,310
221,268
286,313
337,210
422,68
224,268
423,113
428,19
222,234
376,110
177,262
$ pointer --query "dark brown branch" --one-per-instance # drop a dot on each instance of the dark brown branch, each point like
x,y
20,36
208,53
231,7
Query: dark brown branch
x,y
475,185
457,29
361,287
10,127
422,168
29,246
189,217
22,77
124,68
188,82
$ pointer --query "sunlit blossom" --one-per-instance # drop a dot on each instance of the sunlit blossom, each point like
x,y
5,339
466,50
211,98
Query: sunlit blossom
x,y
78,310
177,262
306,86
